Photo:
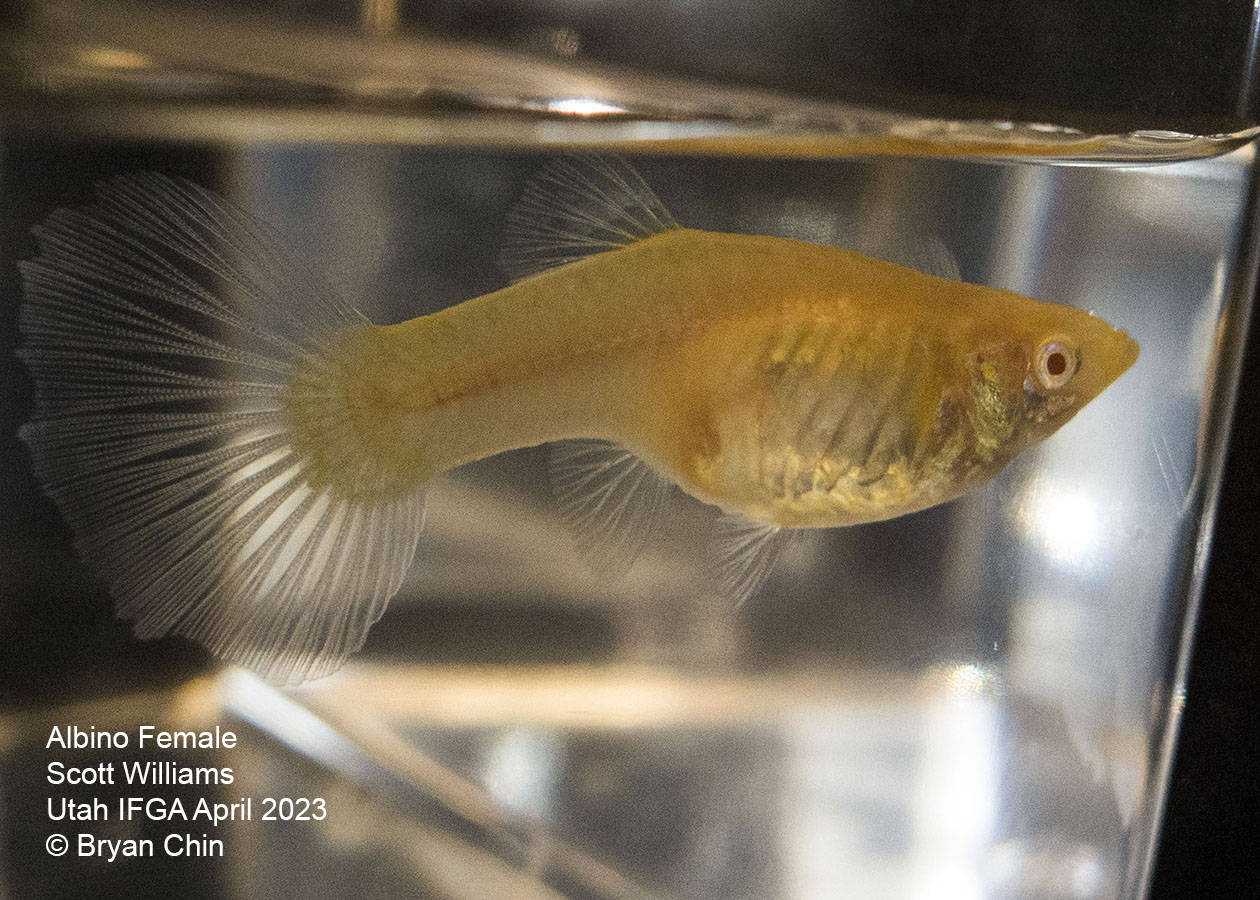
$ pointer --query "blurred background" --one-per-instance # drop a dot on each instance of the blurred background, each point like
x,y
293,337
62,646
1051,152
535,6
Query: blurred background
x,y
978,701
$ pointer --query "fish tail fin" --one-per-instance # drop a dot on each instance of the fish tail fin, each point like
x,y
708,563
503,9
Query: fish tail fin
x,y
165,330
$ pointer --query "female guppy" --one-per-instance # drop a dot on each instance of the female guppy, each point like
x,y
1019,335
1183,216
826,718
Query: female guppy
x,y
243,457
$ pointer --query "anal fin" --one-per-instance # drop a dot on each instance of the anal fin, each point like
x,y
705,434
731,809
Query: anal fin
x,y
611,500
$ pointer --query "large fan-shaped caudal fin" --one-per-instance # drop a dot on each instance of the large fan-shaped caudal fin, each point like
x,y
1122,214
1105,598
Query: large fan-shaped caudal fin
x,y
163,327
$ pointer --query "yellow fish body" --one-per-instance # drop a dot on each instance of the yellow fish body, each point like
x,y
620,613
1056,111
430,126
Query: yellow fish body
x,y
798,384
790,384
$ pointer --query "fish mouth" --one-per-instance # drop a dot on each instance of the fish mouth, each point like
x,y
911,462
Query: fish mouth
x,y
1116,354
1128,353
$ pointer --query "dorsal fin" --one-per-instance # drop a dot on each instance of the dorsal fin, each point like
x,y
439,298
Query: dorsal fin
x,y
742,554
577,206
611,500
884,237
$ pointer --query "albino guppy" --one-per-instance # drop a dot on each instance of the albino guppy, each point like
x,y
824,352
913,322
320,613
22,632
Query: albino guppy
x,y
242,456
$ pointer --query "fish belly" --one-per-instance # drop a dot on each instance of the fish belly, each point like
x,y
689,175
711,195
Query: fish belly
x,y
809,422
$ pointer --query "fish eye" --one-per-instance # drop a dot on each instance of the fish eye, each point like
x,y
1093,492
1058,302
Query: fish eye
x,y
1057,361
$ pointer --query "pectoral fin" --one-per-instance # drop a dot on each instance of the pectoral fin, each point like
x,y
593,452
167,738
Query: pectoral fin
x,y
743,553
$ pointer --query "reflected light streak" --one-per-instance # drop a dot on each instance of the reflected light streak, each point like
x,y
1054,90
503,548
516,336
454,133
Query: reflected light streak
x,y
580,106
275,712
956,801
611,697
112,58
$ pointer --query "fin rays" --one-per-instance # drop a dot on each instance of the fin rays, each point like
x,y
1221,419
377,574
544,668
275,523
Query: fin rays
x,y
163,327
577,206
611,500
882,237
743,553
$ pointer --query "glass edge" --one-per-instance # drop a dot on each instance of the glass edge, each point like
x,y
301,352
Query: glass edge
x,y
1219,422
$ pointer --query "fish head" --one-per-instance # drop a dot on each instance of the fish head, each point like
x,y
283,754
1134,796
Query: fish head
x,y
1037,365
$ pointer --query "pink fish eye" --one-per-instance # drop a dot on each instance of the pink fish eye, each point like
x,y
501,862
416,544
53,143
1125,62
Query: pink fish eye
x,y
1057,362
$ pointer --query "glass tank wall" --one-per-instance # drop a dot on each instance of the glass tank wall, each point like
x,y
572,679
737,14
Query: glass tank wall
x,y
973,702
